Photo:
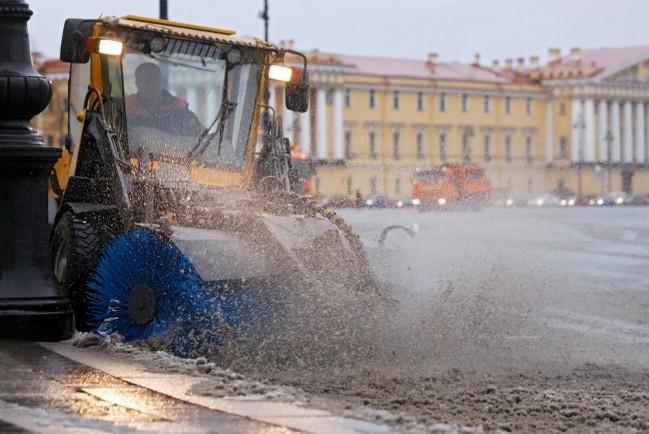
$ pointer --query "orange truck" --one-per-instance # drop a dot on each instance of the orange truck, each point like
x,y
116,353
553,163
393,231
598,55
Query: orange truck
x,y
451,185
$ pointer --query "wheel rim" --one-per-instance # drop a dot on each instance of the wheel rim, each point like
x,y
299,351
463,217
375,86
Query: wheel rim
x,y
61,262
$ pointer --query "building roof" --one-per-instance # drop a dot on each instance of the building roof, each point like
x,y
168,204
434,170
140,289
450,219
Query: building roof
x,y
591,63
433,70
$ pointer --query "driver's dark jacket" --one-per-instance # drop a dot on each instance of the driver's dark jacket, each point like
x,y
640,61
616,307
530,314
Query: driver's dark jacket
x,y
170,114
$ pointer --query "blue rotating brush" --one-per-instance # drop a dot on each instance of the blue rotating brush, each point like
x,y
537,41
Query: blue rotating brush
x,y
143,285
146,288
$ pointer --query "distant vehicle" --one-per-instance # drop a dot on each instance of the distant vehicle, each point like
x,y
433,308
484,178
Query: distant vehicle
x,y
405,202
337,201
637,200
448,185
575,200
379,201
548,199
515,201
611,199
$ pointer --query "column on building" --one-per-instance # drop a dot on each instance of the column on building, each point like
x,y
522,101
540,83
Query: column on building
x,y
640,148
321,123
549,135
616,154
628,133
577,130
604,130
589,121
338,135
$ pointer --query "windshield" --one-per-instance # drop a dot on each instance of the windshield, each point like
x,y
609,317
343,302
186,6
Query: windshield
x,y
194,106
430,176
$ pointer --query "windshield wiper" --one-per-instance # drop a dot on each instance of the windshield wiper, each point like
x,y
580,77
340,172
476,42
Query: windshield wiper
x,y
205,138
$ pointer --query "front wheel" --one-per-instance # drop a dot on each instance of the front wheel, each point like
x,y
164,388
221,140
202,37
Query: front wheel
x,y
76,245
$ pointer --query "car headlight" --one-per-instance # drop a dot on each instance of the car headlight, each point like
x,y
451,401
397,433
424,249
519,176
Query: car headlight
x,y
619,200
441,201
400,203
369,202
416,202
510,202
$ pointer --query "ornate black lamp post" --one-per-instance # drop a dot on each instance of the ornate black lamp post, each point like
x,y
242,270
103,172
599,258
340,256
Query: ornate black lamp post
x,y
30,306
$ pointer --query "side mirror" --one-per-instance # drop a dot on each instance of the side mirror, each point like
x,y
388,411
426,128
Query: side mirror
x,y
74,40
297,94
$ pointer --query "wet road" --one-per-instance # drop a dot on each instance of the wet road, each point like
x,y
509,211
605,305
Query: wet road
x,y
525,320
42,391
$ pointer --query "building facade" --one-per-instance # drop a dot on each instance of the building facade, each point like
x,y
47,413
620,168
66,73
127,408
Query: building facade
x,y
577,123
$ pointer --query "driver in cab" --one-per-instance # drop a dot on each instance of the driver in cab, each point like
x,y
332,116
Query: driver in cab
x,y
153,106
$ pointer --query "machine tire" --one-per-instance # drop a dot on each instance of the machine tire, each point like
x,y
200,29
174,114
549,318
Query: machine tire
x,y
76,246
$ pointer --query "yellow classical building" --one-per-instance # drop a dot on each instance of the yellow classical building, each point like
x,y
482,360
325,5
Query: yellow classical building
x,y
576,123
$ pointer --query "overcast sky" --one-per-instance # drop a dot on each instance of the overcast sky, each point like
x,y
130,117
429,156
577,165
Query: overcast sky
x,y
455,29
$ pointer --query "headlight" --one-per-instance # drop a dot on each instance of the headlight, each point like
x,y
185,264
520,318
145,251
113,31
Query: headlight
x,y
400,203
510,202
539,202
441,201
600,201
571,202
369,202
619,200
416,202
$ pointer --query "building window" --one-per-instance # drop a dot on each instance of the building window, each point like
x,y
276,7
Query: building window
x,y
528,106
373,185
420,145
465,103
487,147
442,102
563,147
487,104
372,100
420,101
372,144
397,186
396,100
508,104
318,185
530,151
442,147
396,145
466,146
350,185
508,148
596,106
348,144
562,109
348,98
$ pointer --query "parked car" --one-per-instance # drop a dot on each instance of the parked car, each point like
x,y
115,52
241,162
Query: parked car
x,y
337,201
379,201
